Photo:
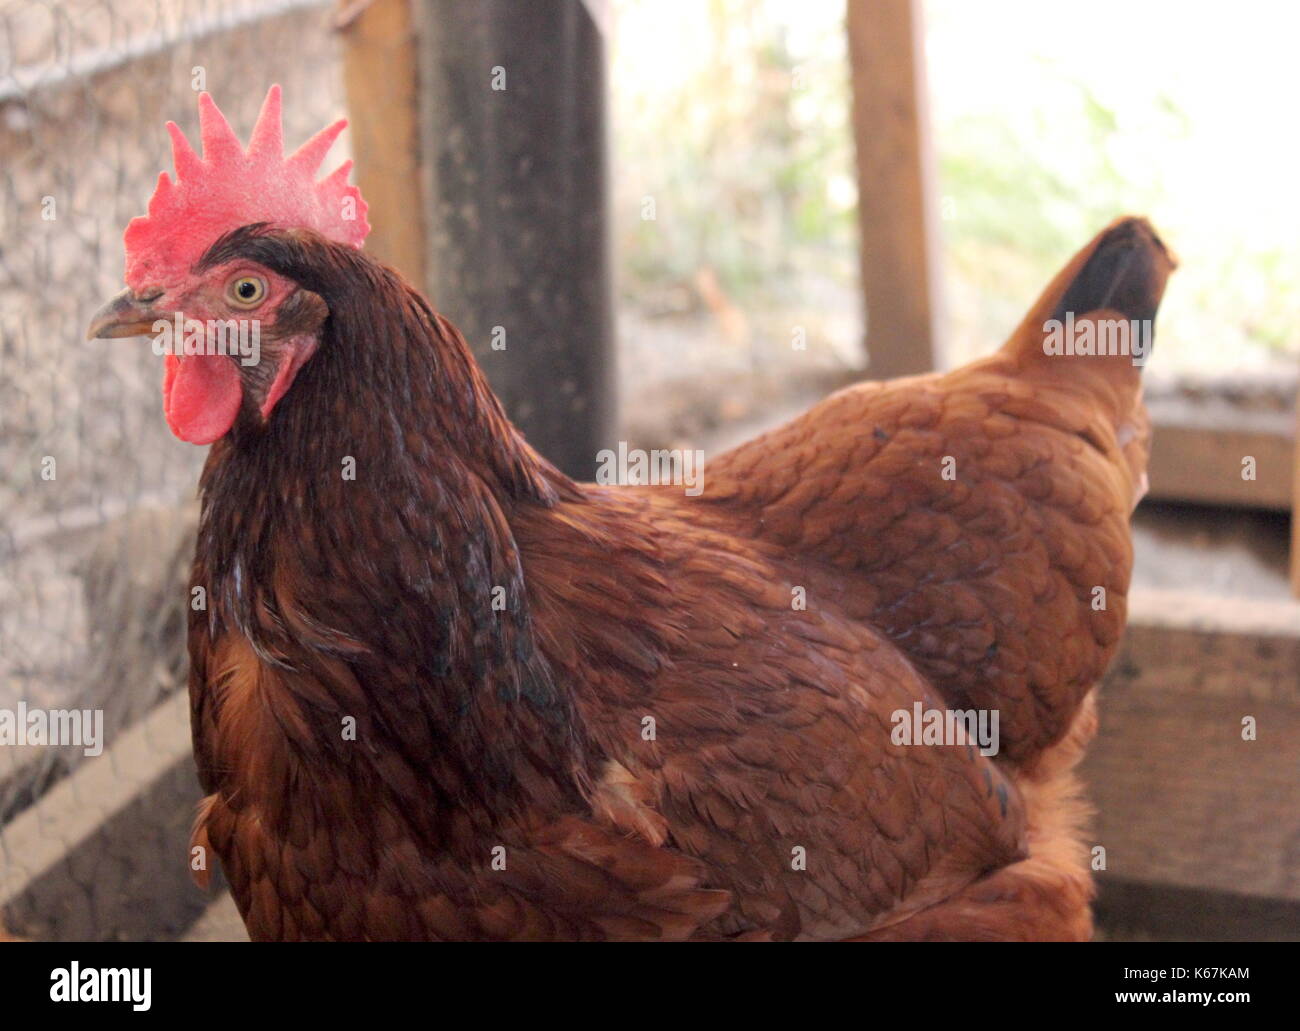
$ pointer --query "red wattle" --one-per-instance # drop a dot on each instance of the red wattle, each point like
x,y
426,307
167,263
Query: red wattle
x,y
201,396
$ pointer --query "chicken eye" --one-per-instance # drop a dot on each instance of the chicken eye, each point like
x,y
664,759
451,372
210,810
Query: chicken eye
x,y
246,291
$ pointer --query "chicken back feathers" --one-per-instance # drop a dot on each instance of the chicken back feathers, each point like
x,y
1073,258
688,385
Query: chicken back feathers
x,y
988,581
644,737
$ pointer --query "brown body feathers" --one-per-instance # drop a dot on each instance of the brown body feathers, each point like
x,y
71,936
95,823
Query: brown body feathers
x,y
459,696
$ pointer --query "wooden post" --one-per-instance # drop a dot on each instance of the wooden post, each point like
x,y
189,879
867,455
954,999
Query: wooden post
x,y
512,113
379,74
895,185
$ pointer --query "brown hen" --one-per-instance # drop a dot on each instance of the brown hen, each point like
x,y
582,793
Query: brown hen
x,y
440,690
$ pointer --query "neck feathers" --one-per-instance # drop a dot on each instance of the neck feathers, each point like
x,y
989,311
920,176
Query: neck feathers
x,y
369,524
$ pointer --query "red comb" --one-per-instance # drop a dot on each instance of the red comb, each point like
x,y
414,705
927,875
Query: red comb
x,y
231,186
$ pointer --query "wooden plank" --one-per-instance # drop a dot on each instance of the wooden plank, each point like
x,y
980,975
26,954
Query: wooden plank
x,y
69,813
1197,452
379,75
1137,911
895,185
104,852
1182,799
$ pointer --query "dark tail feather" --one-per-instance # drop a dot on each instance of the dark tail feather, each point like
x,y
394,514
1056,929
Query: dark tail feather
x,y
1122,271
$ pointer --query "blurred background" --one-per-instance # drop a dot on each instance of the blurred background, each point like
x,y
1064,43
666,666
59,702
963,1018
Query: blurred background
x,y
693,219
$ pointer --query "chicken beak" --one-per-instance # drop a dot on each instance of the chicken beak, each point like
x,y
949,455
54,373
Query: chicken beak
x,y
126,315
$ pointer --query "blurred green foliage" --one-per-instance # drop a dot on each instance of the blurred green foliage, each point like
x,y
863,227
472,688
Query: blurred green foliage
x,y
733,118
741,146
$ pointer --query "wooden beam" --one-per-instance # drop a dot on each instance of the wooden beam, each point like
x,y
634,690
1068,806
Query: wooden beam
x,y
1137,911
1197,451
379,74
103,854
895,185
1182,799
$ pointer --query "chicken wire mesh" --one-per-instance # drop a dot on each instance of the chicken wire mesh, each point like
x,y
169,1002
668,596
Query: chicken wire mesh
x,y
95,509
